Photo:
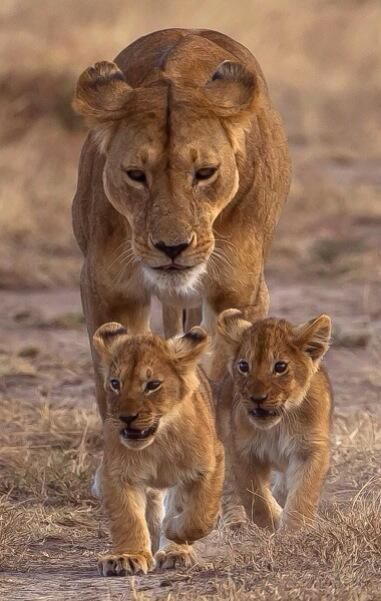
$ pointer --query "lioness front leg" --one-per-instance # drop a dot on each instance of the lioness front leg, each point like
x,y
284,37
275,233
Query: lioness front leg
x,y
200,502
131,545
133,314
304,481
233,513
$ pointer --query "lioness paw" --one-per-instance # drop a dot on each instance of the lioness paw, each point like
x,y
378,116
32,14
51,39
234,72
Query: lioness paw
x,y
175,556
124,564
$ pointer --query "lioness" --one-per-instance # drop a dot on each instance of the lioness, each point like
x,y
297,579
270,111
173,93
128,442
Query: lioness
x,y
181,182
159,433
274,413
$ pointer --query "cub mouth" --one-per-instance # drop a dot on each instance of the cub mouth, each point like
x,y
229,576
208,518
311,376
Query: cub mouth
x,y
134,434
261,413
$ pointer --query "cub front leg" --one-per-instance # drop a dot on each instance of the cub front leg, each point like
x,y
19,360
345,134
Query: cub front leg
x,y
154,516
256,497
131,545
199,503
304,481
172,555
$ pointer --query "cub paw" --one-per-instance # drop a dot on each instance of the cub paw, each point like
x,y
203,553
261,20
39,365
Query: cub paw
x,y
182,532
124,564
175,556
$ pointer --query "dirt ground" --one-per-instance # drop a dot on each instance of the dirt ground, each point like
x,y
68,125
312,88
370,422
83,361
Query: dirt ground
x,y
322,60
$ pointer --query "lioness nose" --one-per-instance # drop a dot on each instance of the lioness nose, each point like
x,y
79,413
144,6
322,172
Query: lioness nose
x,y
171,251
259,398
128,419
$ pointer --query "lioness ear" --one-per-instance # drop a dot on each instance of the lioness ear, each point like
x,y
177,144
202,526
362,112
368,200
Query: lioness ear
x,y
314,336
101,93
188,348
231,88
231,325
105,337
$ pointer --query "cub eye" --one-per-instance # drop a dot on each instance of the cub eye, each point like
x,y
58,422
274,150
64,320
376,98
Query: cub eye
x,y
137,175
204,173
115,384
280,367
152,385
243,366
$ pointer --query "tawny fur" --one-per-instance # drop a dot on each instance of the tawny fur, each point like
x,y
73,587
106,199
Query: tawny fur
x,y
183,454
174,102
290,443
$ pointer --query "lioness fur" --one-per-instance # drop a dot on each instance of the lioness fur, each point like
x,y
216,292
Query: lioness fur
x,y
181,183
159,433
274,413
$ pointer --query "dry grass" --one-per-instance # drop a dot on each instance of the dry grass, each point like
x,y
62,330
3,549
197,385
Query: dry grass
x,y
49,522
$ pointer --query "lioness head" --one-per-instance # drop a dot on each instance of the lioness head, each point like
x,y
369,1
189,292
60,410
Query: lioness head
x,y
272,362
170,159
146,378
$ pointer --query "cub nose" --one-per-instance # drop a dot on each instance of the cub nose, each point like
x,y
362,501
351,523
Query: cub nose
x,y
128,419
259,398
171,251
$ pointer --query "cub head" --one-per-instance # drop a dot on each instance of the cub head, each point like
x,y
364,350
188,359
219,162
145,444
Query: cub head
x,y
272,362
171,164
146,378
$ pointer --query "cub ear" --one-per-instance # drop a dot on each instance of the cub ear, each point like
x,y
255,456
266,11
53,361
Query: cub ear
x,y
105,337
231,88
314,336
231,325
101,93
187,349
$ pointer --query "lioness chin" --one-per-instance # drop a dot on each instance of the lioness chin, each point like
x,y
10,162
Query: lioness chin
x,y
159,433
274,414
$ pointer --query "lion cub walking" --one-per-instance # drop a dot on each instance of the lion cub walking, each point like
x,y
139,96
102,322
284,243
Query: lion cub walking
x,y
159,433
274,414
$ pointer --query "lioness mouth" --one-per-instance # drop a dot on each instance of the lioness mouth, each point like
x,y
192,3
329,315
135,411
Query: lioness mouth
x,y
133,434
173,267
262,413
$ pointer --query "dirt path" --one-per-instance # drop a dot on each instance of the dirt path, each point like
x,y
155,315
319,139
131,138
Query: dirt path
x,y
44,354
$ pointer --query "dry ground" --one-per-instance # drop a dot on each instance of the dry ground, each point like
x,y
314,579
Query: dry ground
x,y
322,59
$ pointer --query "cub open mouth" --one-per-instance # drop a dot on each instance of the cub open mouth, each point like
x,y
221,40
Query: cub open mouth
x,y
133,434
262,413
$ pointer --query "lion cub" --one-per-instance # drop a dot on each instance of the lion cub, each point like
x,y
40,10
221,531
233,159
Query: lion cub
x,y
274,414
159,433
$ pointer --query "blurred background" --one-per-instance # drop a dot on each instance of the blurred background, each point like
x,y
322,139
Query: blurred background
x,y
322,59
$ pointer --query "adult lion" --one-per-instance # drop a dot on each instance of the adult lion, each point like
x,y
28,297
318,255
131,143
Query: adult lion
x,y
181,181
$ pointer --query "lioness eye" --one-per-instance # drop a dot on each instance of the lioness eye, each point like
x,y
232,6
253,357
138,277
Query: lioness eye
x,y
205,173
137,175
115,384
243,366
152,385
280,367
